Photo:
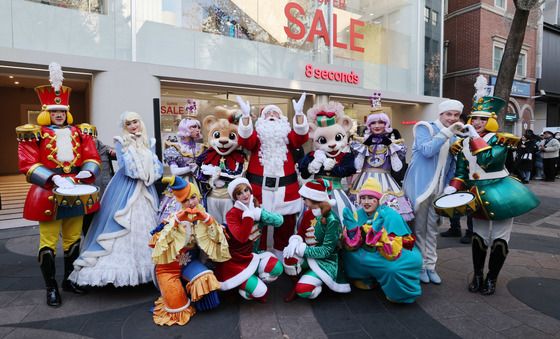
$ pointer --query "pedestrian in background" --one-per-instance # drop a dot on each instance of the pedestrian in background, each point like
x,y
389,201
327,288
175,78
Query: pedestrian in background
x,y
549,148
525,157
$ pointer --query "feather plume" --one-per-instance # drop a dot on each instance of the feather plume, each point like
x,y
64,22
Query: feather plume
x,y
480,86
55,75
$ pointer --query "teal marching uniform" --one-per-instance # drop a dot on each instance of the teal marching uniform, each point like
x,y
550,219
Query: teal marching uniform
x,y
380,247
481,170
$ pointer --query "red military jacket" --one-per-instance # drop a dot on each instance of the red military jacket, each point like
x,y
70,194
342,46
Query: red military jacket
x,y
37,153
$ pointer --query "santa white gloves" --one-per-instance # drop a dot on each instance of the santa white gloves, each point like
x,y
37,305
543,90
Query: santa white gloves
x,y
249,211
245,107
449,190
63,182
301,127
296,247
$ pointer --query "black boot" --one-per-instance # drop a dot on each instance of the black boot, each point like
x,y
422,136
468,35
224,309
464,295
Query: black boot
x,y
498,256
69,257
478,258
47,264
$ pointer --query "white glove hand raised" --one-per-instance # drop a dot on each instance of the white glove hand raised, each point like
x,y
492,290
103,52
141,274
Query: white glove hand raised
x,y
62,182
457,128
329,163
298,106
472,131
83,175
449,190
245,107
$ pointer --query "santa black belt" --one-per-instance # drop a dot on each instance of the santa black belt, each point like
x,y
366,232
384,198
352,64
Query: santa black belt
x,y
271,183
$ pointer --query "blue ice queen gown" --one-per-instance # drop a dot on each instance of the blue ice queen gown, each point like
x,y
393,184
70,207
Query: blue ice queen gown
x,y
380,247
114,250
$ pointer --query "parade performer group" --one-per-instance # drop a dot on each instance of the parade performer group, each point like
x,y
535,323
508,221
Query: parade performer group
x,y
197,245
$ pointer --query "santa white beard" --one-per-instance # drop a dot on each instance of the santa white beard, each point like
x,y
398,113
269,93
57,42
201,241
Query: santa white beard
x,y
273,135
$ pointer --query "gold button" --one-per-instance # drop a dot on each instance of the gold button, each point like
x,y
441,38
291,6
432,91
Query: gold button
x,y
492,214
64,202
482,192
50,198
48,212
78,203
487,203
50,157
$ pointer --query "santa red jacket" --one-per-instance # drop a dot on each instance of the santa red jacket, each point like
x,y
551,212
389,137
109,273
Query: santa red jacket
x,y
38,151
243,262
281,193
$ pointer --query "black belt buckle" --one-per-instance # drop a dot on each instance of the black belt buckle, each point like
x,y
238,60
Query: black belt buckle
x,y
271,183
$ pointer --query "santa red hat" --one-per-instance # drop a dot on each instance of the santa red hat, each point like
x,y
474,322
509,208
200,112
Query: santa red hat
x,y
317,190
234,183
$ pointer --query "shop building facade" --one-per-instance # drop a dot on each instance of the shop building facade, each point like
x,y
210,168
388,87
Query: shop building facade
x,y
167,59
475,34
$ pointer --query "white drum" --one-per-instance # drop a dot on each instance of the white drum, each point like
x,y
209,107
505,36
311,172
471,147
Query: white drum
x,y
456,204
79,195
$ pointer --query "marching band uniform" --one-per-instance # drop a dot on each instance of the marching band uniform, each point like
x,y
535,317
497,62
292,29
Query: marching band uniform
x,y
52,155
481,170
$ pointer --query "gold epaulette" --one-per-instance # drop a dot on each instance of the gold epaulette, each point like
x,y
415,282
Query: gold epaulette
x,y
88,129
456,147
508,139
28,132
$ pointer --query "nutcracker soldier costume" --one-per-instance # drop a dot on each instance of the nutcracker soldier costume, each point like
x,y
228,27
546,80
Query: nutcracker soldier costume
x,y
481,170
57,158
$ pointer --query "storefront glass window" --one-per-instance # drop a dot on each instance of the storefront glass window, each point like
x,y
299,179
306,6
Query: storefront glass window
x,y
432,49
93,6
378,39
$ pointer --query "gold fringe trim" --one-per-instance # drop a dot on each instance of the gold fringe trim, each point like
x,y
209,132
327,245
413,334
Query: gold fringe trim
x,y
168,243
164,318
212,240
203,285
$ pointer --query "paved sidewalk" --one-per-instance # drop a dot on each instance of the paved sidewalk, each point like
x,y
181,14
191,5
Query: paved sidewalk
x,y
525,305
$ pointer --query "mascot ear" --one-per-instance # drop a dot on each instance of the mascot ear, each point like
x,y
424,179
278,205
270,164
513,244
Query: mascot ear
x,y
312,129
346,123
208,121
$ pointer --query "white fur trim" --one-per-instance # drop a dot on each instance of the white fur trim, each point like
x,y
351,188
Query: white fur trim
x,y
57,108
450,105
442,159
447,132
333,285
271,108
312,194
273,201
238,204
310,280
242,276
64,144
234,183
245,131
248,213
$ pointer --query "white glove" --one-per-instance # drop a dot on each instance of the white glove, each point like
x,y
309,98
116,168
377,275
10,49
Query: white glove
x,y
293,243
257,213
471,131
241,206
300,249
314,166
245,107
210,170
320,156
457,128
83,175
449,190
62,182
176,170
329,163
298,106
251,202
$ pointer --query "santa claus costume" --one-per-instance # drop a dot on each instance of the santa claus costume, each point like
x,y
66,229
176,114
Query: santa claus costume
x,y
248,268
271,170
